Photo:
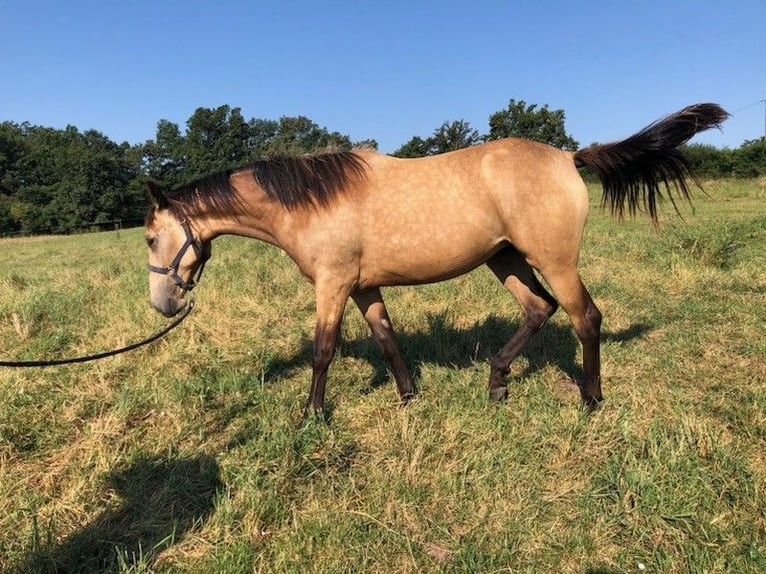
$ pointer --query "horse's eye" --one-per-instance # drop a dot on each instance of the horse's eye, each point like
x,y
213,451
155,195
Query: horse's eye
x,y
151,241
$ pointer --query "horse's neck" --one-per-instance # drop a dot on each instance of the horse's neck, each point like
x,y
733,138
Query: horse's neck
x,y
258,218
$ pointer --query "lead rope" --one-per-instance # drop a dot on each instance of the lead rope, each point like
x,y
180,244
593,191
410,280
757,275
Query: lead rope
x,y
84,359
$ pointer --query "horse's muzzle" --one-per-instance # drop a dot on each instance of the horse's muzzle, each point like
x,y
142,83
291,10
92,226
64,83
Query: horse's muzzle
x,y
169,306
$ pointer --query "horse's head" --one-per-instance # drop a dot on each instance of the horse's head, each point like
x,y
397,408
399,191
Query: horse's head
x,y
176,256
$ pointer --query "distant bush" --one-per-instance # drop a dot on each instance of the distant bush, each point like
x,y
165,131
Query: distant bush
x,y
748,160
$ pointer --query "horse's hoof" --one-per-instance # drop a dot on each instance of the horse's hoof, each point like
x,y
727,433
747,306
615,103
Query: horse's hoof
x,y
590,404
312,416
498,394
406,398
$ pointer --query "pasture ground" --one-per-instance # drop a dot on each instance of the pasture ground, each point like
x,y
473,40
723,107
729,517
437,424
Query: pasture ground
x,y
188,456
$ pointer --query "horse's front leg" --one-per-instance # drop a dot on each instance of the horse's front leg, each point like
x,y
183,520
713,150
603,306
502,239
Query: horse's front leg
x,y
330,303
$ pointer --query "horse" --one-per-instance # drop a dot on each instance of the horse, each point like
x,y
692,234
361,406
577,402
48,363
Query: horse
x,y
355,221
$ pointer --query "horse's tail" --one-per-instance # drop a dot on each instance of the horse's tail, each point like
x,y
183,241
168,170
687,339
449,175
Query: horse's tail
x,y
632,170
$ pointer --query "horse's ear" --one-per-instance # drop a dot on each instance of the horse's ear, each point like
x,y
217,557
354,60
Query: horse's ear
x,y
156,194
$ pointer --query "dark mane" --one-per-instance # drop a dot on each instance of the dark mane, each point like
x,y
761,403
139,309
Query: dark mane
x,y
309,179
213,193
292,181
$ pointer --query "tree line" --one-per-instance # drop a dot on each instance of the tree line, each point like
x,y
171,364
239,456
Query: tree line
x,y
58,181
61,180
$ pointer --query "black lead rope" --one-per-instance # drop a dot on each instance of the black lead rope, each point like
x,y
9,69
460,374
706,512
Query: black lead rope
x,y
86,358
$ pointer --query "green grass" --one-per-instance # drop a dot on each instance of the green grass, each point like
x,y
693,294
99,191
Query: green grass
x,y
188,455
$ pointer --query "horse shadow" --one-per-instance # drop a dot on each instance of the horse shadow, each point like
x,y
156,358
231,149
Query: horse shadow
x,y
161,500
445,345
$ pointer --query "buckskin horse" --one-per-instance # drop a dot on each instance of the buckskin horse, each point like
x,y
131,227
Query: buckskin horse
x,y
356,221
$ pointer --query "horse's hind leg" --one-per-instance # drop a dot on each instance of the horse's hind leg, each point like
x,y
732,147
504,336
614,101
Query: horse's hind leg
x,y
373,308
586,320
536,304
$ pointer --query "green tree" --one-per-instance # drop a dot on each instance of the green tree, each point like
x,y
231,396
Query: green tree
x,y
262,137
366,144
520,120
57,180
12,149
450,136
216,140
220,138
416,147
7,222
750,159
709,161
164,158
91,181
299,135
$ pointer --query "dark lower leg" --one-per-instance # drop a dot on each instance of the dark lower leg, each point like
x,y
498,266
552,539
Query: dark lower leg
x,y
501,363
586,320
404,384
537,304
330,305
324,349
373,308
590,391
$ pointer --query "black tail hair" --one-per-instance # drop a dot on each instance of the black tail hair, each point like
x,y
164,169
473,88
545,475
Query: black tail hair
x,y
631,171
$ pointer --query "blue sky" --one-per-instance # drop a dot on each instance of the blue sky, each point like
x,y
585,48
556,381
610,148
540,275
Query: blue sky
x,y
382,70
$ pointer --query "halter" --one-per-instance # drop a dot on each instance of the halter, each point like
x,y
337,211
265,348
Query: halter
x,y
172,270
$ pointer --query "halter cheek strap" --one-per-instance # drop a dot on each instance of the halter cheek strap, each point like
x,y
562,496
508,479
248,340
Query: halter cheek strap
x,y
172,269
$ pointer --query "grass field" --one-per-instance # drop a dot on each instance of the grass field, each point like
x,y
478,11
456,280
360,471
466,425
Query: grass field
x,y
188,456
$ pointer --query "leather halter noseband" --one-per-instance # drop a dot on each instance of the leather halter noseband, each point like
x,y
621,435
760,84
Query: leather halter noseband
x,y
172,270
